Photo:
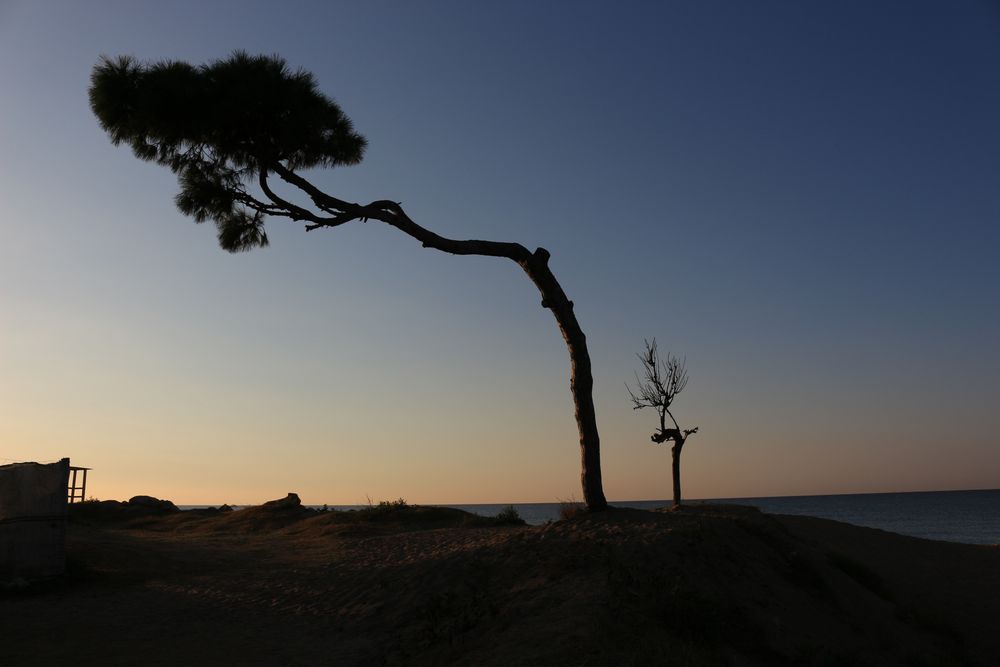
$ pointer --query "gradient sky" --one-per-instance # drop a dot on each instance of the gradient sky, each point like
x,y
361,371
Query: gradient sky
x,y
800,198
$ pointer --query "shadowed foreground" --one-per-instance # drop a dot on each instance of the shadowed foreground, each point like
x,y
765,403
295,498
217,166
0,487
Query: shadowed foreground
x,y
708,585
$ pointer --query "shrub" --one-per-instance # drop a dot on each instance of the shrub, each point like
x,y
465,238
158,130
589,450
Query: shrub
x,y
399,503
510,515
384,508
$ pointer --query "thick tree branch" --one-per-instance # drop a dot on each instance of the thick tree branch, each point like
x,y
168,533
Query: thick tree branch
x,y
292,211
320,198
393,214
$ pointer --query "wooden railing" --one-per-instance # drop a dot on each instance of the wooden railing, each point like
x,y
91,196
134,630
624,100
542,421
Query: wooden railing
x,y
77,491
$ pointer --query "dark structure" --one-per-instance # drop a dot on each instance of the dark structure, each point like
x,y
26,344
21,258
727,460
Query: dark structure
x,y
231,128
33,520
661,382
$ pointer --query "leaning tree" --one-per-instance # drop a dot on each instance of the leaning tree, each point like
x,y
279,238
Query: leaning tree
x,y
661,381
229,128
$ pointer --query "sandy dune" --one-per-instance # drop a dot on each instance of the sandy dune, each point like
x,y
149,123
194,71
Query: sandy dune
x,y
709,585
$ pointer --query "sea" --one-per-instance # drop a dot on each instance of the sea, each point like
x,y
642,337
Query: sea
x,y
972,517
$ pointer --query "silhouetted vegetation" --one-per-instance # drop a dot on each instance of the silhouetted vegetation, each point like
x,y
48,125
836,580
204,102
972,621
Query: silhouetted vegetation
x,y
390,505
510,516
570,508
229,129
662,380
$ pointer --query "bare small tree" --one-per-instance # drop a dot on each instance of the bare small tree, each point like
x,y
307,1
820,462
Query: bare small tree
x,y
662,380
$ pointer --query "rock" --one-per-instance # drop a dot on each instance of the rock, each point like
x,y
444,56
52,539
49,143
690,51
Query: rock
x,y
149,502
289,502
225,508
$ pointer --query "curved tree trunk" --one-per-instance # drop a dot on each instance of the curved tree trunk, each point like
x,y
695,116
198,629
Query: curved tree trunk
x,y
581,377
535,264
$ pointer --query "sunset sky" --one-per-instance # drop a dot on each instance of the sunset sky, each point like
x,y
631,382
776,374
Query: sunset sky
x,y
801,199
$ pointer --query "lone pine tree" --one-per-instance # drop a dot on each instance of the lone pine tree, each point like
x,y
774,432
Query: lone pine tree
x,y
230,127
662,380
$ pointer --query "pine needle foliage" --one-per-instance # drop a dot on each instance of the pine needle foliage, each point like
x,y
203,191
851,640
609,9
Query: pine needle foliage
x,y
220,127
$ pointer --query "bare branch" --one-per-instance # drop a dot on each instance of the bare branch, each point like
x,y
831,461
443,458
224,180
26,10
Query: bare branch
x,y
662,380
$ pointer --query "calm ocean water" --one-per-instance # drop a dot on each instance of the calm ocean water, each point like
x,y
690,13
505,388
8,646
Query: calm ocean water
x,y
972,517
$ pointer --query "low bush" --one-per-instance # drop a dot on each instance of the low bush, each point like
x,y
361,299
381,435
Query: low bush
x,y
510,516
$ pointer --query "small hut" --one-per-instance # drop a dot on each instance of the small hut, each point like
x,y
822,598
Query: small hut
x,y
33,499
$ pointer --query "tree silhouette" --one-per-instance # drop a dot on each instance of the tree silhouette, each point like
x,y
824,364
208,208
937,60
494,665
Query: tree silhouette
x,y
230,127
661,382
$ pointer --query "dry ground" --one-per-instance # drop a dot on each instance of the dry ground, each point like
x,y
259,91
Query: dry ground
x,y
709,585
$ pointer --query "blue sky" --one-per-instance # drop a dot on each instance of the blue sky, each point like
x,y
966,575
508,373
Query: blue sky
x,y
801,199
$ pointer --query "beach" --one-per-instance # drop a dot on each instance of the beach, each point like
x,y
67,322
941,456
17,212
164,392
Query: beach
x,y
707,585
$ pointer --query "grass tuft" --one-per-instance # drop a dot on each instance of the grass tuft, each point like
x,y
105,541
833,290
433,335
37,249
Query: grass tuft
x,y
570,508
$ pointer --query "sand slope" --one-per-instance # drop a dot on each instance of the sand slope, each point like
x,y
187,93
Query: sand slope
x,y
710,585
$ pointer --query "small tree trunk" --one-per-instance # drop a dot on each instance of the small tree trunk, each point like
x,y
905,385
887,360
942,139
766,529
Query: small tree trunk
x,y
676,453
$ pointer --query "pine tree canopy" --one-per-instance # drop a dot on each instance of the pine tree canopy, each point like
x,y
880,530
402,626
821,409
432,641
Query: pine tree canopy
x,y
222,127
